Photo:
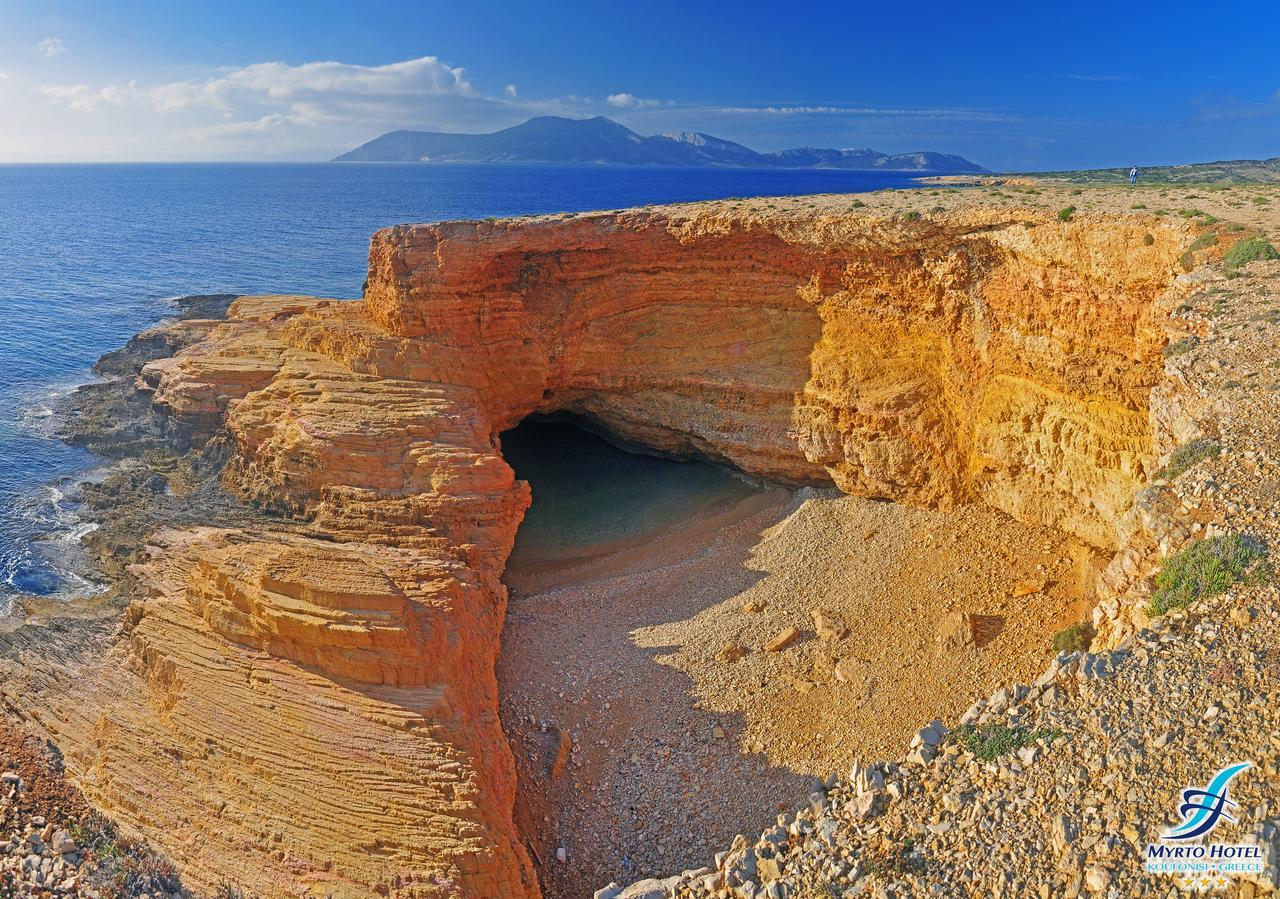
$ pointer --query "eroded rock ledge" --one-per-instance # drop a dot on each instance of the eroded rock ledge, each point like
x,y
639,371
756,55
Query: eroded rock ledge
x,y
312,705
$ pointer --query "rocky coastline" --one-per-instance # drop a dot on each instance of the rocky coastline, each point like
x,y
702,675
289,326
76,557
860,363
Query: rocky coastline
x,y
291,685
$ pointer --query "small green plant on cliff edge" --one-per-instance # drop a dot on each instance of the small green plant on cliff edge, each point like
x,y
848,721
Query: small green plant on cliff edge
x,y
1248,250
888,860
1187,455
1178,347
1204,241
990,741
1064,214
1072,639
1207,568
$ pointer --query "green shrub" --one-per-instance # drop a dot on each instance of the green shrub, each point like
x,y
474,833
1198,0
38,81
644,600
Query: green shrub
x,y
1204,241
1187,455
857,204
1233,227
1064,215
1148,239
1250,249
911,215
1206,568
1178,347
1072,639
990,741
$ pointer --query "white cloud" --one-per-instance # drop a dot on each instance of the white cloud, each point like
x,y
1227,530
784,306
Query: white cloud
x,y
267,82
51,47
77,96
281,110
264,125
948,113
631,101
277,110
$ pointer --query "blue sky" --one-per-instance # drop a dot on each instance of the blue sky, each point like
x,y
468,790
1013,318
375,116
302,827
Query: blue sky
x,y
1012,86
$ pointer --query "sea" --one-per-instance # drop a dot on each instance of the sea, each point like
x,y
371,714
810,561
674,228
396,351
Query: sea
x,y
92,254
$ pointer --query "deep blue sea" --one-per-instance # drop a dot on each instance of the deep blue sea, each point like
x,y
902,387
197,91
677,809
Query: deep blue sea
x,y
91,254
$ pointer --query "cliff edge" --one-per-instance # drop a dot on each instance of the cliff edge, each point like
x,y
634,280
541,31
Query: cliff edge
x,y
304,699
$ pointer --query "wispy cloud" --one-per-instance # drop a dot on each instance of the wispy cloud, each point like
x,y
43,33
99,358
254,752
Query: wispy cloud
x,y
51,47
271,109
1214,108
278,82
1100,77
631,101
949,113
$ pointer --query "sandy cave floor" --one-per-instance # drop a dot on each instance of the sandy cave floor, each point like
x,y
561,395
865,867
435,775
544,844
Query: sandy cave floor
x,y
640,752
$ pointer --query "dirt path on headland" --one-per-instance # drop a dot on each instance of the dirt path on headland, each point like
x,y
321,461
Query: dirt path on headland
x,y
642,744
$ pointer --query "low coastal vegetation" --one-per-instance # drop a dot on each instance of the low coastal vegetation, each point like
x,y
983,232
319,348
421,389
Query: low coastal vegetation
x,y
990,741
1251,249
1204,241
1072,639
1205,175
1178,347
1207,568
1188,455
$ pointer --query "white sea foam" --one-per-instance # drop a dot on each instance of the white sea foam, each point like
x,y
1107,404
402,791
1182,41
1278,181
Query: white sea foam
x,y
79,532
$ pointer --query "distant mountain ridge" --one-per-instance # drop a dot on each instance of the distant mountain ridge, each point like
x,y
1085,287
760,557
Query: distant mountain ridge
x,y
552,139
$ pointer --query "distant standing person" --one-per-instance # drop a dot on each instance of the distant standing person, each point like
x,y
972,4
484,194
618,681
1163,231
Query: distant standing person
x,y
1133,175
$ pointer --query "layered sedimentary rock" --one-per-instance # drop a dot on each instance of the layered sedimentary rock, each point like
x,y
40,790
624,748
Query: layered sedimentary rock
x,y
929,362
316,707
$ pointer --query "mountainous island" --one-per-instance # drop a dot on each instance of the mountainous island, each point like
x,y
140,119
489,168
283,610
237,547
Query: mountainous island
x,y
599,140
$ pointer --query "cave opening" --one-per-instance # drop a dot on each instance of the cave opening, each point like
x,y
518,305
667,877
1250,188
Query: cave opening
x,y
594,495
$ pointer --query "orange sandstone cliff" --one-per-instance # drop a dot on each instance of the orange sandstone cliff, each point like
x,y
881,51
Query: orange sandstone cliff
x,y
313,706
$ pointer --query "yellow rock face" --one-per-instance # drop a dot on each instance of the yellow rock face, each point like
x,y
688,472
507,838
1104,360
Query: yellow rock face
x,y
318,709
928,362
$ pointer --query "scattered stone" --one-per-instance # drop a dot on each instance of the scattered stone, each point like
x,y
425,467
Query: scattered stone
x,y
1027,588
1097,879
955,633
732,652
828,626
782,640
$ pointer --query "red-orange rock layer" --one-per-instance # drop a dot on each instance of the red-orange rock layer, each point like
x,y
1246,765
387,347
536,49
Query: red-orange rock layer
x,y
320,709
